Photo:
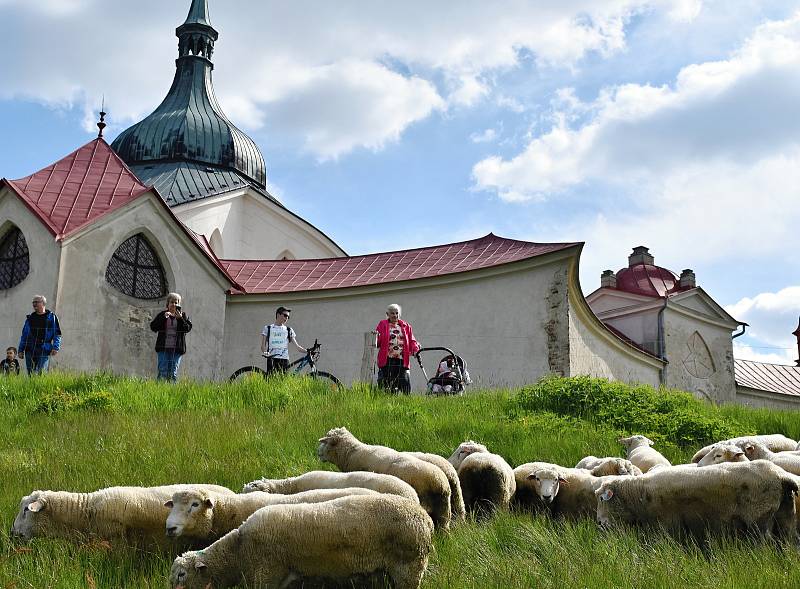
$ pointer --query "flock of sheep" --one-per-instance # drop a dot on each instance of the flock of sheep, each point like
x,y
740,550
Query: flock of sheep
x,y
379,513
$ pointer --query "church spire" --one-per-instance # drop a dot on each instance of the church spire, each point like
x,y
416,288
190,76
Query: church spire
x,y
196,36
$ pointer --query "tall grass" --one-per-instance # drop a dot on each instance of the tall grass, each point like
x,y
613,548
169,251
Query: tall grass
x,y
86,432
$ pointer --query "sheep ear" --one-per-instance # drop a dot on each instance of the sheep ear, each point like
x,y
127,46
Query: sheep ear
x,y
562,481
169,504
199,565
606,495
208,503
37,506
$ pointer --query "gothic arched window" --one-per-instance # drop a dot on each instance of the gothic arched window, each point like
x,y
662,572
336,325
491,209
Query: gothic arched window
x,y
134,270
14,259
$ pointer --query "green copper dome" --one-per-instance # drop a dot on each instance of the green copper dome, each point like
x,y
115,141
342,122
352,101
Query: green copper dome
x,y
187,148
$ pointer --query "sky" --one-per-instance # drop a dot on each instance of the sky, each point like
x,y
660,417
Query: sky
x,y
673,124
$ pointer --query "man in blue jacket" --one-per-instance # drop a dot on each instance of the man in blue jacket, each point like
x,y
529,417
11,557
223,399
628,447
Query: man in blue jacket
x,y
41,337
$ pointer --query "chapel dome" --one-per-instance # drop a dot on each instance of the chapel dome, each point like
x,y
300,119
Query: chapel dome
x,y
643,277
187,143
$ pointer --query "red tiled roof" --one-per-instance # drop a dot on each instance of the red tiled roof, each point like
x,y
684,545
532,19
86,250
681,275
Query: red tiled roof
x,y
648,280
774,378
274,276
79,188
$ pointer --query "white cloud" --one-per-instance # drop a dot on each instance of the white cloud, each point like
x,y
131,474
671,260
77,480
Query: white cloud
x,y
70,52
485,136
760,354
772,316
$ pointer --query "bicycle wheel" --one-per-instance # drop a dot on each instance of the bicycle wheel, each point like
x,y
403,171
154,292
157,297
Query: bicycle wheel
x,y
247,372
326,377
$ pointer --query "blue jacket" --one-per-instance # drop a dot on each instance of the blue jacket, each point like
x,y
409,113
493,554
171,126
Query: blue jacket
x,y
52,334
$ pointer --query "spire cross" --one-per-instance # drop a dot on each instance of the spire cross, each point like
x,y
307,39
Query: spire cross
x,y
102,123
796,333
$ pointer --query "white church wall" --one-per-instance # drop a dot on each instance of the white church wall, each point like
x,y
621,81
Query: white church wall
x,y
640,327
496,320
254,228
763,399
105,329
700,357
45,256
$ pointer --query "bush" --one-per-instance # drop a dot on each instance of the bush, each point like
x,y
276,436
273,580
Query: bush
x,y
672,416
59,400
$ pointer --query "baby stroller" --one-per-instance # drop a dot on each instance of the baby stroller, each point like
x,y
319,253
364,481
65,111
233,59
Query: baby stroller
x,y
451,376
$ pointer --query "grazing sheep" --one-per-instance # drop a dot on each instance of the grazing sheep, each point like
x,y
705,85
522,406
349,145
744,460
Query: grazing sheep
x,y
343,449
323,479
641,454
775,442
564,491
357,535
528,494
610,466
487,480
755,450
205,515
457,510
720,453
133,514
742,496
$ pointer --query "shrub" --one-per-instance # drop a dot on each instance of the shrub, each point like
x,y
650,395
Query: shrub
x,y
672,416
59,400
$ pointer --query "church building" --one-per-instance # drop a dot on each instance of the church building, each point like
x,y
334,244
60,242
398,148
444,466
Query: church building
x,y
179,202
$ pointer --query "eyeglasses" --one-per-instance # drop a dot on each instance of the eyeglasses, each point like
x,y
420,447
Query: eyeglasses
x,y
37,302
285,315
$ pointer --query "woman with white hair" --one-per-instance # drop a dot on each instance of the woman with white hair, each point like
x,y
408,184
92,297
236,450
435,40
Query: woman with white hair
x,y
396,345
172,324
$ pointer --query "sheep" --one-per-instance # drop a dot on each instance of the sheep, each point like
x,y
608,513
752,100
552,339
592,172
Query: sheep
x,y
323,479
205,515
563,491
641,454
755,450
775,442
528,495
720,453
132,514
356,535
457,510
746,496
487,480
344,450
609,466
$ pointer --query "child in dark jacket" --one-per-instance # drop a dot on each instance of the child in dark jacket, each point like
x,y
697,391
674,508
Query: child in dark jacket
x,y
10,364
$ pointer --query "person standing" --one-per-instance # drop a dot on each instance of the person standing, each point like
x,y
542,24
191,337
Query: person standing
x,y
396,345
10,364
172,325
41,337
275,340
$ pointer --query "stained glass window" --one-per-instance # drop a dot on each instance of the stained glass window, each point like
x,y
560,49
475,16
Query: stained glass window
x,y
134,270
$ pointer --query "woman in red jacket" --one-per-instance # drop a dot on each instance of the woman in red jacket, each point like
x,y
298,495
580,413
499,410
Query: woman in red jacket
x,y
396,345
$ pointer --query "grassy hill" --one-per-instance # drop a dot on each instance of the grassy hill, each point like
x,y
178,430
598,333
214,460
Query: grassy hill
x,y
83,433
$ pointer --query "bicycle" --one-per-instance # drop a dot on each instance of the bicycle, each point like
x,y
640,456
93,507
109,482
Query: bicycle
x,y
305,366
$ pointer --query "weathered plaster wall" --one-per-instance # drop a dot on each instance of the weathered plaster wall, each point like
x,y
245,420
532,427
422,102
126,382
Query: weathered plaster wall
x,y
107,330
700,357
45,255
641,328
253,228
757,399
499,323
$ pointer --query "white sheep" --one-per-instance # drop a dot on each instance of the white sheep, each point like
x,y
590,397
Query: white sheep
x,y
609,466
205,515
528,494
487,480
133,514
641,454
755,450
339,539
563,491
324,479
775,442
722,452
457,510
749,496
465,449
343,449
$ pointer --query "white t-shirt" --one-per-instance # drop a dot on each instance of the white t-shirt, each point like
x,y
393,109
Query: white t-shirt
x,y
278,338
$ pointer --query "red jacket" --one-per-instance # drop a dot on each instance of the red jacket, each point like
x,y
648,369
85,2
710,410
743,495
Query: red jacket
x,y
411,345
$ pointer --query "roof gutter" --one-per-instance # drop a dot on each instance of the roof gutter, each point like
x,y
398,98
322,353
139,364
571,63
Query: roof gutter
x,y
744,328
662,346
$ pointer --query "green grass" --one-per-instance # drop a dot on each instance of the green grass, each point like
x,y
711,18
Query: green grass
x,y
82,433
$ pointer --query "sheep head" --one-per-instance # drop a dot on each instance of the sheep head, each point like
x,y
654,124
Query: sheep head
x,y
191,514
720,453
615,466
546,483
189,571
636,441
34,518
330,444
465,449
753,449
264,485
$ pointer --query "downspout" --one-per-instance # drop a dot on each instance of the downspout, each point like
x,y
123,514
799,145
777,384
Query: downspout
x,y
662,346
744,328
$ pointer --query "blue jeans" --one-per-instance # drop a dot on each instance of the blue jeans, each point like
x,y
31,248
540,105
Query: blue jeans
x,y
168,363
35,363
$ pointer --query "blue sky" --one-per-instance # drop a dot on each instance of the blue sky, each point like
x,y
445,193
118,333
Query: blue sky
x,y
667,123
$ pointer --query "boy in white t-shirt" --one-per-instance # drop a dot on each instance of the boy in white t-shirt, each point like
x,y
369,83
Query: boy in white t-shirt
x,y
275,340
